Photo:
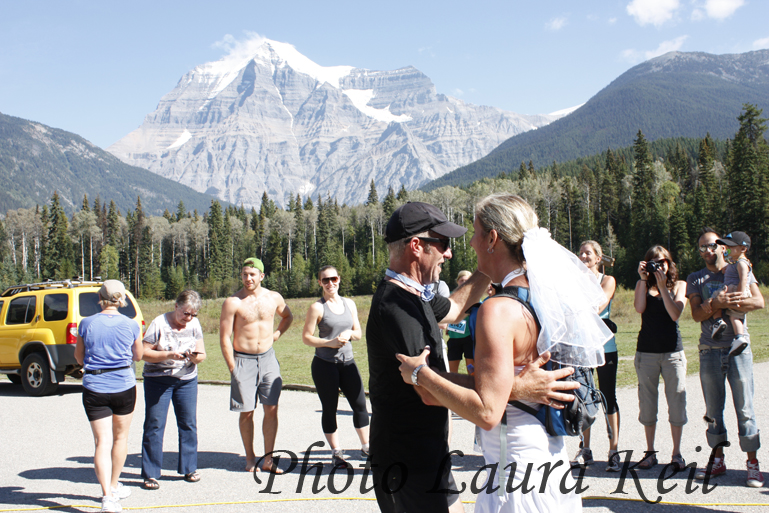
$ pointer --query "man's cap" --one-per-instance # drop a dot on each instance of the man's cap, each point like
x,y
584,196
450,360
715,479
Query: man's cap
x,y
735,239
112,290
416,217
253,262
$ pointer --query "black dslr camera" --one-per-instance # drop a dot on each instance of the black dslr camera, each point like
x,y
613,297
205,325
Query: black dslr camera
x,y
652,266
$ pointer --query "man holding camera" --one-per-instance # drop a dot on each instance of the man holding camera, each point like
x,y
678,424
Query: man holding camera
x,y
704,290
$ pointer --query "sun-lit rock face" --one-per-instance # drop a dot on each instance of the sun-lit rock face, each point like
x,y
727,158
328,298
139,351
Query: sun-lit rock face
x,y
275,121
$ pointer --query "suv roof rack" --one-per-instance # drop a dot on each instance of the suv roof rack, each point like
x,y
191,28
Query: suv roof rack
x,y
63,284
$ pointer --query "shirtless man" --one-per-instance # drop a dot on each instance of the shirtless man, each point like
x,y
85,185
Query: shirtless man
x,y
254,370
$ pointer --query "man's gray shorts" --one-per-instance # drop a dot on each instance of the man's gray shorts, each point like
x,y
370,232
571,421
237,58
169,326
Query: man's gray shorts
x,y
255,374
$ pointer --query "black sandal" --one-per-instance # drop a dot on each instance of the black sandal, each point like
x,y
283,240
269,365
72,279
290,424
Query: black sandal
x,y
192,477
151,484
649,460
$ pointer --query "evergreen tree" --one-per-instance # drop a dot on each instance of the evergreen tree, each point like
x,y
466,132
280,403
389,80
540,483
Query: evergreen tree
x,y
748,180
373,197
403,195
217,249
389,203
57,258
647,224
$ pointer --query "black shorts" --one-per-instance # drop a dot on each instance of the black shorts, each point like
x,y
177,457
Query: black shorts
x,y
99,406
458,347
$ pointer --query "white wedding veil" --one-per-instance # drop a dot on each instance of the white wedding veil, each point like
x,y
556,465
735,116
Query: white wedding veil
x,y
566,296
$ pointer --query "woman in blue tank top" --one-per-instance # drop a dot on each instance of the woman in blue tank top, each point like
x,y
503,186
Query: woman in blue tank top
x,y
107,343
660,298
590,253
333,367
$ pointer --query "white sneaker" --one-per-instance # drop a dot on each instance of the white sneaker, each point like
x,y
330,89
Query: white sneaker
x,y
718,328
121,492
739,344
755,477
110,504
364,450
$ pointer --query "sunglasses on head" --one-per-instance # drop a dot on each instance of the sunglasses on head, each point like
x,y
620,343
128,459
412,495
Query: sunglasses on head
x,y
441,244
711,246
329,279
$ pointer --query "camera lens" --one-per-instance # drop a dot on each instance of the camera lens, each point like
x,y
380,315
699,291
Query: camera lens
x,y
651,267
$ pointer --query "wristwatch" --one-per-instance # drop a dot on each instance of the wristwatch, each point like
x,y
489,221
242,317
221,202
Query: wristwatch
x,y
414,375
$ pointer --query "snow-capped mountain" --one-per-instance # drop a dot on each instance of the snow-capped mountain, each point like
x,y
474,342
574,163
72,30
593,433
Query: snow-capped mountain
x,y
272,120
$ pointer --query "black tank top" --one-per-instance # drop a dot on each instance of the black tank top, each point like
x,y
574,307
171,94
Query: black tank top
x,y
659,332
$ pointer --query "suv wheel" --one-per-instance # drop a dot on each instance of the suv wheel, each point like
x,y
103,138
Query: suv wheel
x,y
36,376
14,378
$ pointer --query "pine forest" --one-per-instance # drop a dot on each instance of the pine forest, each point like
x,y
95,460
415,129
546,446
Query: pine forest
x,y
628,199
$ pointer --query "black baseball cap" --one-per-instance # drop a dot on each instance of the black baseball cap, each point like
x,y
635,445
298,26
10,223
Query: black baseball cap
x,y
735,239
416,217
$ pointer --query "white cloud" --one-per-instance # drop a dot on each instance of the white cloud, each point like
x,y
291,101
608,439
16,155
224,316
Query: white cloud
x,y
635,56
631,56
427,50
556,23
665,47
238,50
722,9
698,14
655,12
458,93
612,21
761,44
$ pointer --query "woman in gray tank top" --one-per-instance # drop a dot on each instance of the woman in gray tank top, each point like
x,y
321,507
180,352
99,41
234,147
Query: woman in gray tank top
x,y
333,367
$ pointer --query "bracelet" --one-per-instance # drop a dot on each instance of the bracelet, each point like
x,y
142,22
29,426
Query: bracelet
x,y
414,375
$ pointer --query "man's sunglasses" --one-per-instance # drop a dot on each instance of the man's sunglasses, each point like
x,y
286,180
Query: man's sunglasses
x,y
332,279
444,243
712,247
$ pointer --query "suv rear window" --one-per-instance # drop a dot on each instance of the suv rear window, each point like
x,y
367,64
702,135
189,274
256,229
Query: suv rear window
x,y
89,305
55,307
21,310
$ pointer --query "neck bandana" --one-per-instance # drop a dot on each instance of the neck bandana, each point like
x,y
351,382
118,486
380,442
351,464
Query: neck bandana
x,y
426,292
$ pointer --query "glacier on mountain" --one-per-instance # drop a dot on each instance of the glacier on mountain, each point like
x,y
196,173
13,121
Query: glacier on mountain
x,y
271,120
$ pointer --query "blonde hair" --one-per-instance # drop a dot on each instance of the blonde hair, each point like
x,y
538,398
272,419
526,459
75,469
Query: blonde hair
x,y
510,216
463,274
596,247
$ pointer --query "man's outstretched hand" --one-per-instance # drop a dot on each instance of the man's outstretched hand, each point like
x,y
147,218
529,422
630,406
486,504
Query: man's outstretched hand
x,y
536,385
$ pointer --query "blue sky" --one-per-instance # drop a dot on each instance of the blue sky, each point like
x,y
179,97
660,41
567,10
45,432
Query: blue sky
x,y
97,68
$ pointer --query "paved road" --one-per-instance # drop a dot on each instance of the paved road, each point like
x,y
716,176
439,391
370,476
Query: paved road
x,y
47,451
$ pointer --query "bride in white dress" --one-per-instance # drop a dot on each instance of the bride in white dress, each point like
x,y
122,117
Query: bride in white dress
x,y
532,471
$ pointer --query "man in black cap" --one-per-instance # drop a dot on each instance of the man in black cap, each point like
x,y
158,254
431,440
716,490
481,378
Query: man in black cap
x,y
410,458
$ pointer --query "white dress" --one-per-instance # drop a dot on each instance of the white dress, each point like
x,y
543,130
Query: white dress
x,y
531,450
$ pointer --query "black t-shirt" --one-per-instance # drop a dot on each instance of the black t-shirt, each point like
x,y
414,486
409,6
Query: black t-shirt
x,y
403,428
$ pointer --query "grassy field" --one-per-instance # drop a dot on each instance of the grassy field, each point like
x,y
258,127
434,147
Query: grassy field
x,y
295,357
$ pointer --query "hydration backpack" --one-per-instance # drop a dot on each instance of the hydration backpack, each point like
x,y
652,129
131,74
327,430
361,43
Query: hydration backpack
x,y
578,415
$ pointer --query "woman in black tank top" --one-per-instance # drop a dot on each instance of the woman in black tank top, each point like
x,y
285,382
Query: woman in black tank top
x,y
660,298
333,367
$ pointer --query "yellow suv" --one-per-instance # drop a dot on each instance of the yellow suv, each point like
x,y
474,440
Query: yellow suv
x,y
38,330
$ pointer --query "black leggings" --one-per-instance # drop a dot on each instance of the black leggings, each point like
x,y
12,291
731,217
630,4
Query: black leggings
x,y
329,378
607,382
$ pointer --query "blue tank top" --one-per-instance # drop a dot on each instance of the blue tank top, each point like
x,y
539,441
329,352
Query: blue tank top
x,y
611,345
330,326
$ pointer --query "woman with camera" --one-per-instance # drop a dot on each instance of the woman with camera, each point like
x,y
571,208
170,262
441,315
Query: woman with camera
x,y
173,348
591,254
660,298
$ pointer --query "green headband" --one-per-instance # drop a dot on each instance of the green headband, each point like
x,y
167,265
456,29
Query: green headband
x,y
253,262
